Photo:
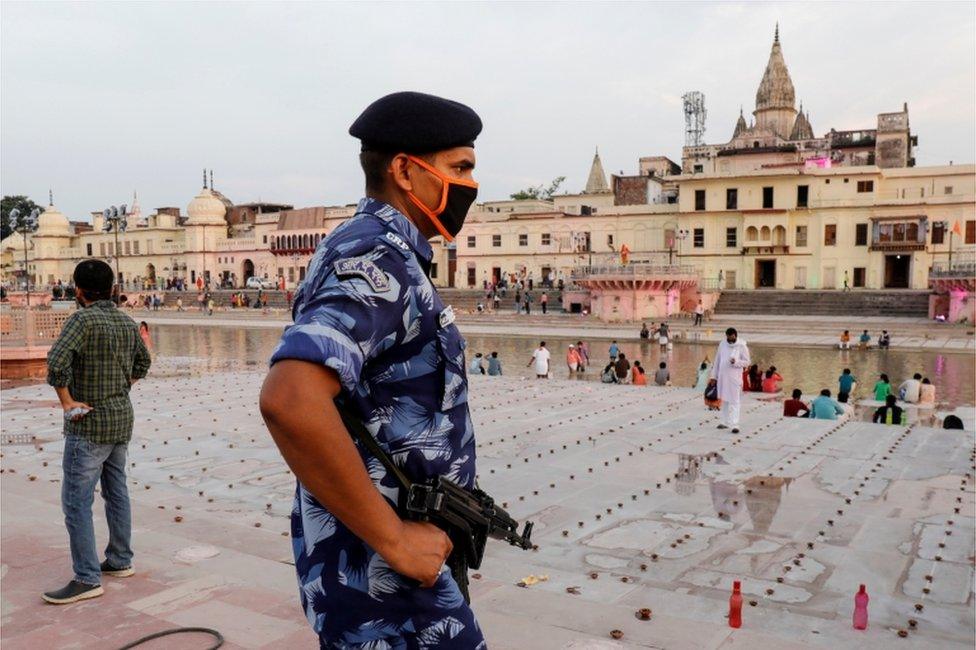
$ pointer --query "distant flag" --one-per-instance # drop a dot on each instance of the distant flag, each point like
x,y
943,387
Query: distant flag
x,y
956,228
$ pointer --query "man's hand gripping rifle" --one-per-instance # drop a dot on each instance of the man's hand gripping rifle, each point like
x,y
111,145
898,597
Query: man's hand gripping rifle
x,y
469,517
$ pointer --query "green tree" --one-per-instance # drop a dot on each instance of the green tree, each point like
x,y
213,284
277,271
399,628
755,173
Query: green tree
x,y
538,192
8,203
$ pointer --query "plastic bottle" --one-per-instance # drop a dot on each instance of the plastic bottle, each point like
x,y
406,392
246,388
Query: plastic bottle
x,y
861,609
735,605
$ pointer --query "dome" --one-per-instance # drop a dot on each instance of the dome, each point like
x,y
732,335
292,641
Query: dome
x,y
205,209
53,223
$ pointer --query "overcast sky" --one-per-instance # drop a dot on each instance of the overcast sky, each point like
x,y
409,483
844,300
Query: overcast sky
x,y
101,99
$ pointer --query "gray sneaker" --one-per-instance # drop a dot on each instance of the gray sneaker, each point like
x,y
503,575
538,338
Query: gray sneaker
x,y
72,593
109,570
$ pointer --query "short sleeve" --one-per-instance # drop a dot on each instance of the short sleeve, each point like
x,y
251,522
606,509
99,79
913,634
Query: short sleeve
x,y
350,316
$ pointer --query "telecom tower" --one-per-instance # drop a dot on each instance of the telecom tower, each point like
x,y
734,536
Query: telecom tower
x,y
694,103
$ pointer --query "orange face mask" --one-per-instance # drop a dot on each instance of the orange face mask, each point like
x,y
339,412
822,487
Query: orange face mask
x,y
457,195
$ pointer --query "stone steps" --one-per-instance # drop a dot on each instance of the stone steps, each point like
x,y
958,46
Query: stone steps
x,y
825,303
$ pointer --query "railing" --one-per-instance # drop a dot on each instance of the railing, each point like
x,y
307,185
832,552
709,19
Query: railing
x,y
963,266
29,327
634,270
710,284
234,244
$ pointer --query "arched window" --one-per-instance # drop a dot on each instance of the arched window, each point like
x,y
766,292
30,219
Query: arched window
x,y
752,234
273,246
764,233
779,236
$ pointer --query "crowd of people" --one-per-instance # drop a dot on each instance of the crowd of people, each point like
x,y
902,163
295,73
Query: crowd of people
x,y
723,382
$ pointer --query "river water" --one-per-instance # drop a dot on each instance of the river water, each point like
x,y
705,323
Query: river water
x,y
809,369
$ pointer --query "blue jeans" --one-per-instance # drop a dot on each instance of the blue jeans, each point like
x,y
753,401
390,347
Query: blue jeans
x,y
85,464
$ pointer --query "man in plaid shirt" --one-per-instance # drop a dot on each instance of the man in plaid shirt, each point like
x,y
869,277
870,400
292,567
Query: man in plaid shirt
x,y
92,366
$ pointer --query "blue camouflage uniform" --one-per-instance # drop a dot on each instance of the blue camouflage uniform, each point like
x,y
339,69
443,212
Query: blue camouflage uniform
x,y
368,310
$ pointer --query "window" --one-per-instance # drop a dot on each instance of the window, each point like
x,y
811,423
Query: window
x,y
731,237
859,274
264,239
802,195
865,186
135,247
830,234
523,239
732,199
472,240
699,199
801,236
826,181
698,169
861,234
698,237
609,241
752,233
546,239
971,232
496,241
88,247
938,232
433,271
111,249
947,189
767,197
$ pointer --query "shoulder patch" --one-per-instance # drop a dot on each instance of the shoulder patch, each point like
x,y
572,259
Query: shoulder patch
x,y
397,241
365,269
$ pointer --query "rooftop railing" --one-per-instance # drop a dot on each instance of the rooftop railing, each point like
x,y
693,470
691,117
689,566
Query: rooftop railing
x,y
634,270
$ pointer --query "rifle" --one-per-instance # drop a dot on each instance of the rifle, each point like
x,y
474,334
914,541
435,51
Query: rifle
x,y
469,517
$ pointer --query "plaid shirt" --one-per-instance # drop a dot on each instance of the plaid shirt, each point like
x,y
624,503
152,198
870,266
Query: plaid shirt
x,y
97,356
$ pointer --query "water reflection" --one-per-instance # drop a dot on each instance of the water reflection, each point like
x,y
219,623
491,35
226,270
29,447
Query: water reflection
x,y
809,369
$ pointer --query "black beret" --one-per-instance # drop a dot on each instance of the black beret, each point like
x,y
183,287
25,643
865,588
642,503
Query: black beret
x,y
413,122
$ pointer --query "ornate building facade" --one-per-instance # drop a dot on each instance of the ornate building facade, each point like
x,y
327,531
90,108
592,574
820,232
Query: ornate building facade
x,y
773,207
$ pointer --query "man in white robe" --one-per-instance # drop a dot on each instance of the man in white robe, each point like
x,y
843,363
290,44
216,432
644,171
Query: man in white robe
x,y
730,360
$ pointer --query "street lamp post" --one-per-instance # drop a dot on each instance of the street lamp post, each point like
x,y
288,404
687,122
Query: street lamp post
x,y
24,224
116,220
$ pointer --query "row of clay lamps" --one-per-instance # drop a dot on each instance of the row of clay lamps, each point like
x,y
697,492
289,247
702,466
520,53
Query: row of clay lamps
x,y
946,534
640,449
550,425
526,459
645,614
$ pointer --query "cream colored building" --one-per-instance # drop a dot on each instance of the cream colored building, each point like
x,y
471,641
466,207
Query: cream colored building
x,y
205,244
775,206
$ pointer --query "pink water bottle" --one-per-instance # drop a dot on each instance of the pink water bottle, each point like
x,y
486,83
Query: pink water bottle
x,y
861,609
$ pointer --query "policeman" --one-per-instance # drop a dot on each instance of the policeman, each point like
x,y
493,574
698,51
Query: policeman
x,y
371,333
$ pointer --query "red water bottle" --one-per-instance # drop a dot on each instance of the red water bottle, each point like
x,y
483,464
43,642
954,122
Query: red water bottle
x,y
861,609
735,606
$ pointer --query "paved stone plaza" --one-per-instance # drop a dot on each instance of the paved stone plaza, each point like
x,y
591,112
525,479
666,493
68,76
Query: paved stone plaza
x,y
639,502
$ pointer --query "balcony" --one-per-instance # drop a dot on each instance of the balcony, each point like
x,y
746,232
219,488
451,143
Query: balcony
x,y
766,249
897,246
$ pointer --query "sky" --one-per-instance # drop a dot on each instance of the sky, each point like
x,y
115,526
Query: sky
x,y
98,100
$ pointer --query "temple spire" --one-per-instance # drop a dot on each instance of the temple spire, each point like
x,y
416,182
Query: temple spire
x,y
50,197
776,34
597,181
204,178
211,179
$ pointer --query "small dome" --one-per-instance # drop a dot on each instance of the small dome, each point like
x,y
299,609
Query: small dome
x,y
52,222
205,209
